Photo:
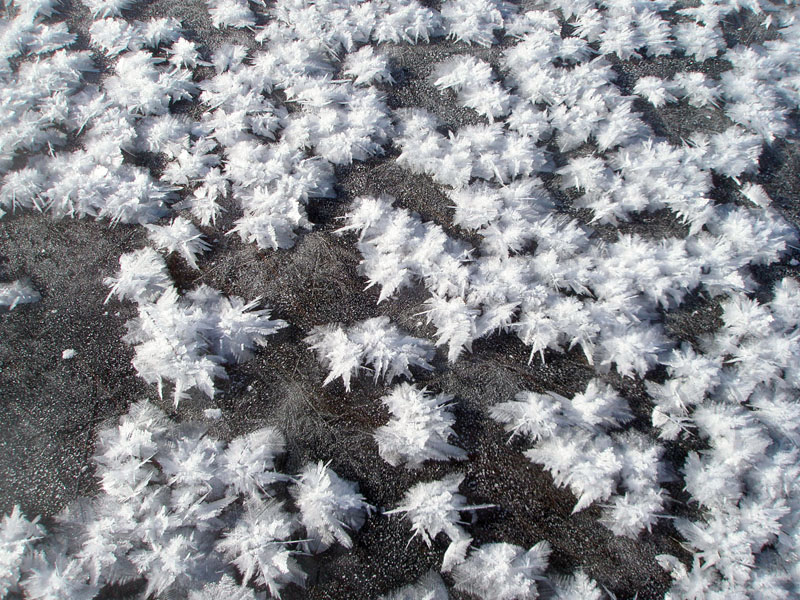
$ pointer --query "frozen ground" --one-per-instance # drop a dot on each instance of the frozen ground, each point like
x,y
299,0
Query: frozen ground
x,y
53,407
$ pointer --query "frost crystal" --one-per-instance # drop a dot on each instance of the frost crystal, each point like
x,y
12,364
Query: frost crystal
x,y
225,589
429,587
578,586
433,508
185,339
367,67
328,505
374,342
16,293
17,535
180,236
257,545
419,428
502,571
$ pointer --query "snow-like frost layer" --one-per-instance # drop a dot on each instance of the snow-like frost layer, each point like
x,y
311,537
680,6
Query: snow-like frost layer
x,y
266,127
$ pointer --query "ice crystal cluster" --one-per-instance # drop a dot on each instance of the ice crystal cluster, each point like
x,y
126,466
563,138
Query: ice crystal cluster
x,y
419,428
374,342
434,508
571,441
147,123
184,511
185,339
17,292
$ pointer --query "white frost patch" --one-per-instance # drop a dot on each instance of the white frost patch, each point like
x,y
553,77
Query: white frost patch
x,y
502,571
185,339
17,292
212,414
374,342
419,428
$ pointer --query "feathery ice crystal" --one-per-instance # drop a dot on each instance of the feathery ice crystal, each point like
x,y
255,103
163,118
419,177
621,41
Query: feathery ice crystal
x,y
374,342
418,429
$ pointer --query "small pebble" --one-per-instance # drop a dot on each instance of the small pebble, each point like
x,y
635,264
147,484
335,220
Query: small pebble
x,y
67,354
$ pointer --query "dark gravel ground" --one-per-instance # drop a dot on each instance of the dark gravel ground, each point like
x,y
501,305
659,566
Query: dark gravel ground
x,y
51,407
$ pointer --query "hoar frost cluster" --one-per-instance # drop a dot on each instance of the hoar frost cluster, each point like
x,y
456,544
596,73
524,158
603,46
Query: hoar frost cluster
x,y
185,512
270,123
185,339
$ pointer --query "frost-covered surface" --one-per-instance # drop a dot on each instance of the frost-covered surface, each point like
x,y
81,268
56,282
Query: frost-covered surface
x,y
536,258
176,506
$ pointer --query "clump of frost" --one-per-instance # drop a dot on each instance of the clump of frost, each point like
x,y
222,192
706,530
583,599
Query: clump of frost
x,y
484,151
434,507
329,506
571,441
142,277
692,377
740,395
472,79
398,247
366,67
185,339
108,8
247,465
404,21
578,586
374,342
184,53
47,100
180,236
17,536
21,189
701,41
230,13
224,589
502,571
756,194
52,575
361,123
169,512
656,91
258,545
698,89
418,429
114,36
540,416
475,21
154,89
509,217
429,587
732,152
17,292
273,183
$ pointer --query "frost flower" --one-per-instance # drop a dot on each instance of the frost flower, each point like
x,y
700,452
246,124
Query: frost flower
x,y
502,571
17,292
374,342
328,506
419,428
180,236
